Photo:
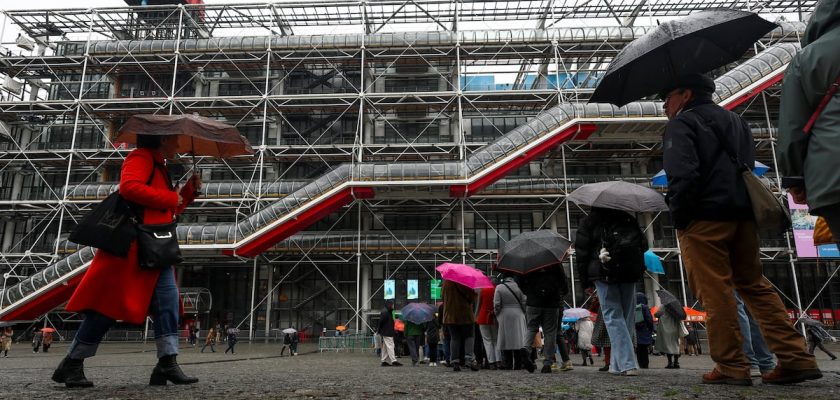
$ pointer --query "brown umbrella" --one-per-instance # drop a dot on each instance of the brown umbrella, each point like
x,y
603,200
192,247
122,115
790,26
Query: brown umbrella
x,y
196,135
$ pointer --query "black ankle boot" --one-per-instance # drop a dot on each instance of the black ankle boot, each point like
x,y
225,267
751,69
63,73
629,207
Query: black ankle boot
x,y
71,373
167,369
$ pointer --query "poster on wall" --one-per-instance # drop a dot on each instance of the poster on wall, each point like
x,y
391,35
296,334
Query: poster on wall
x,y
412,289
434,287
390,289
803,233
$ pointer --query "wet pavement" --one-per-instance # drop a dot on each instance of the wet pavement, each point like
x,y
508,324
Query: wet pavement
x,y
121,371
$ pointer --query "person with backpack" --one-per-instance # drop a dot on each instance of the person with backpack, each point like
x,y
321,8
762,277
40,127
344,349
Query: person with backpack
x,y
644,330
544,290
610,250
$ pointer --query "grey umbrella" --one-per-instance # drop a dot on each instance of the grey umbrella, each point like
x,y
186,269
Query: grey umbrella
x,y
697,43
619,195
532,251
670,304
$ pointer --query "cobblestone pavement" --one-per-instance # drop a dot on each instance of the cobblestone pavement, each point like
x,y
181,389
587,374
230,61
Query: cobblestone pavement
x,y
121,371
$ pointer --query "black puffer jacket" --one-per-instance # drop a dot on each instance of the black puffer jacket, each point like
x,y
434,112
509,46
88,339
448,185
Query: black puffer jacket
x,y
544,288
386,323
703,183
588,242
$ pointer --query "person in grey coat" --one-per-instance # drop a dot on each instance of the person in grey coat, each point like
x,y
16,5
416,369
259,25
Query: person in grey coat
x,y
509,306
668,333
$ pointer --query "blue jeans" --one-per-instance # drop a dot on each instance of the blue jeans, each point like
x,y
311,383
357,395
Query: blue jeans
x,y
618,304
755,348
164,309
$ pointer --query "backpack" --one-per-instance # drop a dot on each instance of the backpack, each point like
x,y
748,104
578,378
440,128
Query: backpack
x,y
640,314
626,243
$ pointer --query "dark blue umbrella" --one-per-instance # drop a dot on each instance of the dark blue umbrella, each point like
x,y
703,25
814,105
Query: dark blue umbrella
x,y
417,313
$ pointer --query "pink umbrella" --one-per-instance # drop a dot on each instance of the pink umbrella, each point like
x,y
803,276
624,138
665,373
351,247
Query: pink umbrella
x,y
464,275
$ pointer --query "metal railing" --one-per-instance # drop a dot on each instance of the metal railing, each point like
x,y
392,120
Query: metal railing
x,y
349,343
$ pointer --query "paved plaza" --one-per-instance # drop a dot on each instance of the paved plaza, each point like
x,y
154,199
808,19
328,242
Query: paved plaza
x,y
121,371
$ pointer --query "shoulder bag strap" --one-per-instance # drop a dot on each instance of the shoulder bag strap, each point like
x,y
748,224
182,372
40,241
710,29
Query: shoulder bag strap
x,y
515,297
823,103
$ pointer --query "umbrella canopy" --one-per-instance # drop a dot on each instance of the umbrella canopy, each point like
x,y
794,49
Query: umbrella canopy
x,y
418,313
576,313
653,263
697,43
47,330
233,331
619,195
289,330
341,328
671,304
808,321
532,251
691,315
464,275
197,135
661,179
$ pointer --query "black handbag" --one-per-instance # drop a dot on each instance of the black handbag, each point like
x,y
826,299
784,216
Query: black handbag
x,y
157,245
109,226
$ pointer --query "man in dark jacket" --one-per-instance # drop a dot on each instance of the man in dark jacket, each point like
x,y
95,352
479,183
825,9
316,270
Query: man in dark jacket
x,y
544,290
712,213
386,332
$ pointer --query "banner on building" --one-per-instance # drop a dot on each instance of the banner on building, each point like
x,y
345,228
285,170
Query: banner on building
x,y
434,287
803,233
390,289
412,289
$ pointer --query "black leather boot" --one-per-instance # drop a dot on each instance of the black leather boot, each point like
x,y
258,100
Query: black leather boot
x,y
71,373
167,369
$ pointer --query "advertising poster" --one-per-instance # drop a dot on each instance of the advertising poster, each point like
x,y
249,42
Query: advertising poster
x,y
434,286
803,233
413,289
390,289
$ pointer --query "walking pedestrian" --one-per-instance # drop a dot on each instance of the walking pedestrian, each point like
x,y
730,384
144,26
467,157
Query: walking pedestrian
x,y
713,216
117,288
509,307
37,340
755,347
6,340
603,235
544,290
584,328
692,341
600,337
193,335
210,341
644,330
287,344
386,332
458,317
489,327
232,339
47,341
668,333
414,339
809,161
295,341
432,339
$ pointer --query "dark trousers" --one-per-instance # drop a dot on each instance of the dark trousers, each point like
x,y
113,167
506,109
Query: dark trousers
x,y
414,346
642,351
433,352
461,343
212,347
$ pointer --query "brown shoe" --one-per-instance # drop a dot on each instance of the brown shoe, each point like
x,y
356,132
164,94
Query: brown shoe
x,y
781,376
717,378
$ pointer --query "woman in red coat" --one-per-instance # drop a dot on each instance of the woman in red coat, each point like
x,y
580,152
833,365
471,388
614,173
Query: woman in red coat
x,y
486,320
115,288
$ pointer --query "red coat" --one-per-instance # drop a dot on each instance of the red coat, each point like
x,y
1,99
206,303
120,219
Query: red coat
x,y
116,286
485,307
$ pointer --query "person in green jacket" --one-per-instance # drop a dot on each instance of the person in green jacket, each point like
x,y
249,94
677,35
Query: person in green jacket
x,y
414,338
809,162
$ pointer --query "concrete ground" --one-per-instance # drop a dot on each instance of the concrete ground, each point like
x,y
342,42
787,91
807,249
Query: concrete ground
x,y
121,371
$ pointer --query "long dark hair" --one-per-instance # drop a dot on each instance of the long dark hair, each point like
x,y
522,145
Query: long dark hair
x,y
148,142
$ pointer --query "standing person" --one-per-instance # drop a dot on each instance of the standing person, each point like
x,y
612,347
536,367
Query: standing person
x,y
668,333
193,335
432,338
600,337
116,288
414,339
458,317
486,321
6,340
447,340
287,343
584,328
691,341
386,332
219,333
48,339
644,330
544,290
610,250
37,340
816,336
295,340
809,161
509,307
232,339
755,347
712,213
210,341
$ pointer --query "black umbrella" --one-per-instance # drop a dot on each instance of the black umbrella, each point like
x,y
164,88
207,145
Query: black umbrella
x,y
532,251
671,304
697,43
619,195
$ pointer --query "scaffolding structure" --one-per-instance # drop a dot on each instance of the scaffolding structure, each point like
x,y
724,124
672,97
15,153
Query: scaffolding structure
x,y
390,136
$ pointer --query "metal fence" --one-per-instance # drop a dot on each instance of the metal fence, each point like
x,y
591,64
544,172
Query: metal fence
x,y
350,343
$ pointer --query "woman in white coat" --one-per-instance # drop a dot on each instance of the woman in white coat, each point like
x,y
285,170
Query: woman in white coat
x,y
584,328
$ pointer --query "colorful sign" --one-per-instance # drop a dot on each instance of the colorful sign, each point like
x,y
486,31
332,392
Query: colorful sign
x,y
434,287
390,289
803,233
413,289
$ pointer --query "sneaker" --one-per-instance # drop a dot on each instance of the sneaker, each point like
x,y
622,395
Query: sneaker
x,y
604,368
755,372
717,378
384,364
546,369
456,367
781,376
396,364
432,364
567,366
630,372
